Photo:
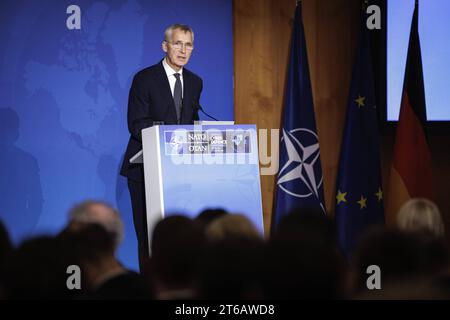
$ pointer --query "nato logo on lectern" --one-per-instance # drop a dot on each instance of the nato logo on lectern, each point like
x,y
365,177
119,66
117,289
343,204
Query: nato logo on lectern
x,y
176,143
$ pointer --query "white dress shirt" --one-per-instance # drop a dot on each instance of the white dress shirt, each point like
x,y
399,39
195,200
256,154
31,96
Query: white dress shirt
x,y
170,75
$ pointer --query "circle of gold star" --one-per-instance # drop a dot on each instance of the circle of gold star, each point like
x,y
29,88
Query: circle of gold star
x,y
360,101
362,202
379,194
340,197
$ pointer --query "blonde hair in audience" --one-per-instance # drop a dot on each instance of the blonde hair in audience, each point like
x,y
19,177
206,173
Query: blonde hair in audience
x,y
420,215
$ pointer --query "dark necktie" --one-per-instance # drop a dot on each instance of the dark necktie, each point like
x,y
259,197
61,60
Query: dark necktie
x,y
177,96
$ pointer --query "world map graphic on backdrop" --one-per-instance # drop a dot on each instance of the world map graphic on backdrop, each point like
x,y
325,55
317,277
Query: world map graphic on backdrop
x,y
83,88
63,107
87,68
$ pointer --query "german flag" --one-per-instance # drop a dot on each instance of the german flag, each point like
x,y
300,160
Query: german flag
x,y
411,171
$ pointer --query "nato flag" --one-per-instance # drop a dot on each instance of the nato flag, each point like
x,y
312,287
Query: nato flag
x,y
299,181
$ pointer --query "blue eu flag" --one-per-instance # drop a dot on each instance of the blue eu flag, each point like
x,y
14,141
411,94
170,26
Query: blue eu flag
x,y
300,180
359,195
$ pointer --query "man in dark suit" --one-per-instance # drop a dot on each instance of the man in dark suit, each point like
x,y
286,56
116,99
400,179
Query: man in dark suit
x,y
165,92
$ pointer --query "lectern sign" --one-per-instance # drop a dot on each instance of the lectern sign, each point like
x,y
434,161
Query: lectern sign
x,y
209,141
189,168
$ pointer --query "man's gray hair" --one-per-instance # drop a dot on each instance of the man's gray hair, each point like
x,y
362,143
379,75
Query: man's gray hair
x,y
183,27
112,222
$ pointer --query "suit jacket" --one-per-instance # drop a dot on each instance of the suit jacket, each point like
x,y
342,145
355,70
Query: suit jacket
x,y
150,100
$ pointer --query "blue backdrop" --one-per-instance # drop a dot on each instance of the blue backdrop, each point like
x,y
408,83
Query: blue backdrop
x,y
63,99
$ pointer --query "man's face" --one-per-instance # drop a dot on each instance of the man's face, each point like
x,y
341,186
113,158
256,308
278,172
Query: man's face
x,y
178,49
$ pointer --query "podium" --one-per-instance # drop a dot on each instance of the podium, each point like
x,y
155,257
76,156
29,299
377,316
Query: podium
x,y
189,168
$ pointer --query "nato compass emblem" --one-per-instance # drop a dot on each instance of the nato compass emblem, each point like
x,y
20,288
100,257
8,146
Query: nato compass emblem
x,y
302,164
176,143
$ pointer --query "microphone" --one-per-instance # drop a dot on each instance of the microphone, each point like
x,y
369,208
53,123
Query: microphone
x,y
197,107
